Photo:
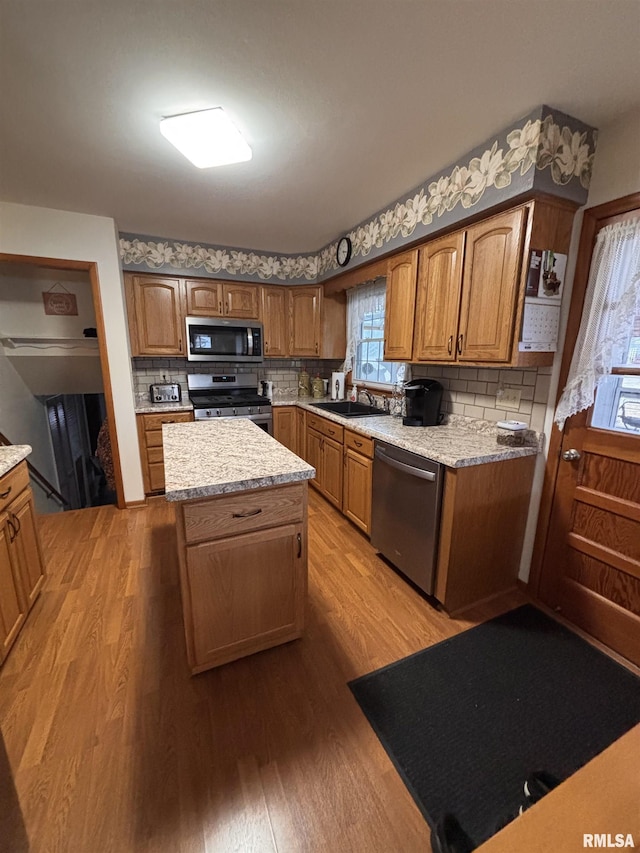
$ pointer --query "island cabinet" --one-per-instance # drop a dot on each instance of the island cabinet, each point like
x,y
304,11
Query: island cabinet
x,y
243,572
21,563
151,451
324,450
358,469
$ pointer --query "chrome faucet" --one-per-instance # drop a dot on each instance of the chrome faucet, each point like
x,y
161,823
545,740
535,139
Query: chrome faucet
x,y
370,398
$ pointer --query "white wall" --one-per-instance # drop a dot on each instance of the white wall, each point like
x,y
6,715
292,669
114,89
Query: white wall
x,y
24,421
45,233
616,173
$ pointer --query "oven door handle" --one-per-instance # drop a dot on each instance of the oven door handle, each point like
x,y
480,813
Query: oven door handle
x,y
402,466
249,341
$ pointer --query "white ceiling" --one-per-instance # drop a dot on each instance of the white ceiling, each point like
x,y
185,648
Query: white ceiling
x,y
347,104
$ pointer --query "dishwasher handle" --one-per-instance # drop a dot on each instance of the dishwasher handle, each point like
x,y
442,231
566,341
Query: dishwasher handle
x,y
402,466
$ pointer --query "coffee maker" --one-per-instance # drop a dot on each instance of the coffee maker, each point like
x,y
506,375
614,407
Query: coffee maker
x,y
423,397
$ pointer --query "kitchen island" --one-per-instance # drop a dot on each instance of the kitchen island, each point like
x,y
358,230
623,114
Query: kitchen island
x,y
241,519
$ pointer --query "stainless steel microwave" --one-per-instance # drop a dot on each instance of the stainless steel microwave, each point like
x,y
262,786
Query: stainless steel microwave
x,y
215,339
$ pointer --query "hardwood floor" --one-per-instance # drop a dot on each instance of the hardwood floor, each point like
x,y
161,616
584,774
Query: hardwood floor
x,y
114,747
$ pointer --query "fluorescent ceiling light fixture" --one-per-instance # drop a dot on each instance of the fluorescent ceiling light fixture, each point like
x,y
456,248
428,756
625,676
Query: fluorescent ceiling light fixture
x,y
207,138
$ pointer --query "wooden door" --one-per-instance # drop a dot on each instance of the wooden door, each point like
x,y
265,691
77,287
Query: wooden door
x,y
402,275
591,558
155,307
490,287
332,471
27,547
13,609
285,426
357,488
241,301
275,315
204,298
438,300
304,321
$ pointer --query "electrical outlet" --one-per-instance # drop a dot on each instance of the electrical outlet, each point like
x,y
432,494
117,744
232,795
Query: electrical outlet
x,y
510,398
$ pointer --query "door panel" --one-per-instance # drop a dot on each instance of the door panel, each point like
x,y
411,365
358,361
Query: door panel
x,y
591,561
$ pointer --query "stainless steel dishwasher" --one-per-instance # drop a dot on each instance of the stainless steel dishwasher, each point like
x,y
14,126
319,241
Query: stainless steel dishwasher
x,y
405,512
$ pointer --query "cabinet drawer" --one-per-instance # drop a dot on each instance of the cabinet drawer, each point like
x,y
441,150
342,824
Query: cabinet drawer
x,y
326,427
154,422
13,483
359,443
229,515
155,454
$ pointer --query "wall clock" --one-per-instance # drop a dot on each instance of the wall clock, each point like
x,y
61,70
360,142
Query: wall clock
x,y
343,251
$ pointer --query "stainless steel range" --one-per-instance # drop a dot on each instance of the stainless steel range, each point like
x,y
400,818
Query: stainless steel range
x,y
229,395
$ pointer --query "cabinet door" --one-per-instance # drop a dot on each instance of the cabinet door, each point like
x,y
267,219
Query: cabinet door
x,y
314,457
26,545
357,489
332,471
274,315
402,274
13,608
246,593
285,426
490,288
438,301
155,315
240,300
304,320
204,298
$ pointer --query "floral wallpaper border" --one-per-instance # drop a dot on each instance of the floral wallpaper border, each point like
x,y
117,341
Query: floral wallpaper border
x,y
540,145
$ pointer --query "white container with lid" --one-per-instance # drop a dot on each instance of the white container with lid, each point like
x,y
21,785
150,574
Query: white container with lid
x,y
511,433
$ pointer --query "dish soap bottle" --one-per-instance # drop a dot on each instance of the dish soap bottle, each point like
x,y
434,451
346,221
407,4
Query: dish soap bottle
x,y
354,393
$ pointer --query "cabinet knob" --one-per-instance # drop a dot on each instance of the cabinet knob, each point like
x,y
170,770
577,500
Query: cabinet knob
x,y
357,443
5,494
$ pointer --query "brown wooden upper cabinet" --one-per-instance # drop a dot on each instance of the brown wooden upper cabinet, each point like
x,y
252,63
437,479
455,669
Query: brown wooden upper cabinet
x,y
438,301
305,306
155,308
210,298
465,304
490,287
402,272
274,313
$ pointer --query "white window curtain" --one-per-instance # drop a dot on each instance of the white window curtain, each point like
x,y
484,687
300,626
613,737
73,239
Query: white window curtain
x,y
365,299
611,302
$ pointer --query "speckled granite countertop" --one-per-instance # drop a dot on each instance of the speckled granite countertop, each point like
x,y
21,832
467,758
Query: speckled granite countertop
x,y
162,408
214,457
11,456
459,443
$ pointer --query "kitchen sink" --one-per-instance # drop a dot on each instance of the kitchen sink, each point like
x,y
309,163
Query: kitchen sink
x,y
348,409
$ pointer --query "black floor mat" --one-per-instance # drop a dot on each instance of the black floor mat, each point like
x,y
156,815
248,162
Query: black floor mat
x,y
466,721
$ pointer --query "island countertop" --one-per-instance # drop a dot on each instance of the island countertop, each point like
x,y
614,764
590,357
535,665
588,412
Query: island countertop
x,y
12,455
223,455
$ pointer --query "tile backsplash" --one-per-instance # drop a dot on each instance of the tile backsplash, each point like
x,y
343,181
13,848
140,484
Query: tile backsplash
x,y
476,392
282,372
479,392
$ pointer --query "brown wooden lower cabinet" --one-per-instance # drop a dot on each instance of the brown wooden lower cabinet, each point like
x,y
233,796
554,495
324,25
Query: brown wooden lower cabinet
x,y
150,441
285,426
243,572
358,470
21,563
324,450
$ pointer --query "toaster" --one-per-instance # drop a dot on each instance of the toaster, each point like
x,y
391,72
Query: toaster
x,y
165,393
